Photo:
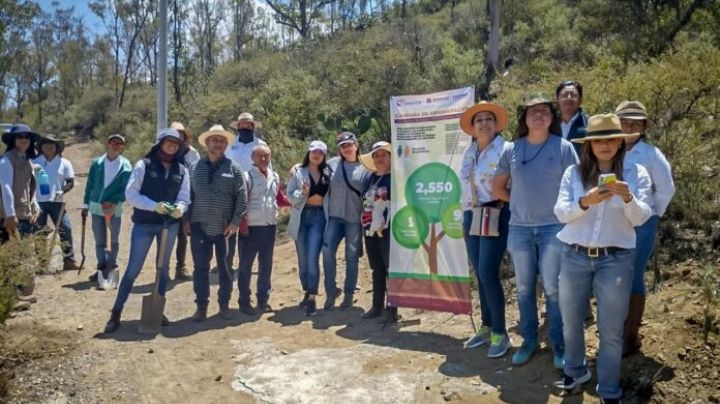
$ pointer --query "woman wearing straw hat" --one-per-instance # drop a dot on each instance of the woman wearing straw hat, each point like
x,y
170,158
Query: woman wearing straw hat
x,y
307,188
484,122
376,225
601,199
634,119
61,179
18,210
535,163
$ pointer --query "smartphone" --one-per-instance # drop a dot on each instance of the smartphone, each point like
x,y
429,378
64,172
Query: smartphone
x,y
605,179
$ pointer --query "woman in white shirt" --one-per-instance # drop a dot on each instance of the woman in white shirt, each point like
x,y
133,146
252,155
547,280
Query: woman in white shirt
x,y
484,122
634,119
600,201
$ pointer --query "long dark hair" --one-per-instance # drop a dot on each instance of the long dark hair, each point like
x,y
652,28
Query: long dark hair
x,y
522,128
589,168
323,167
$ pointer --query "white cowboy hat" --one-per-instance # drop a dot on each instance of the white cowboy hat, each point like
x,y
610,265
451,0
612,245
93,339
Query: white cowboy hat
x,y
248,117
216,130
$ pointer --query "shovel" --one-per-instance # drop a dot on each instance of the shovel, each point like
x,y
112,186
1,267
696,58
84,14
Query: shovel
x,y
153,305
55,233
111,281
82,244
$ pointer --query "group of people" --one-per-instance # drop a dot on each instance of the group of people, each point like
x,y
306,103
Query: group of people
x,y
577,200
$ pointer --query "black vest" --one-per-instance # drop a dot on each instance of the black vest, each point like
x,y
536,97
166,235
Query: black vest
x,y
160,189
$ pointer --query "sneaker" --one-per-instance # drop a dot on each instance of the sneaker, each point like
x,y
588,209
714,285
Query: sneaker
x,y
304,301
526,351
181,274
200,315
114,323
70,265
347,301
569,383
247,309
310,308
499,345
263,307
226,313
558,361
480,338
330,300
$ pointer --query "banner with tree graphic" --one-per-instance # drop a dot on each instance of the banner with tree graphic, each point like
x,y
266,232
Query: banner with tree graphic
x,y
428,262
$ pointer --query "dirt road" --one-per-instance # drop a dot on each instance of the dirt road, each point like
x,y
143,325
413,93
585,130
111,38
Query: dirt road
x,y
281,356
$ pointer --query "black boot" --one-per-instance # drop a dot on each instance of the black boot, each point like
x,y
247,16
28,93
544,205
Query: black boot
x,y
391,315
378,304
304,301
114,323
374,312
347,301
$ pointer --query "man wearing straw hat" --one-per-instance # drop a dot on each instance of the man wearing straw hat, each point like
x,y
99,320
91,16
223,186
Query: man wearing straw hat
x,y
218,202
61,179
18,210
190,157
104,195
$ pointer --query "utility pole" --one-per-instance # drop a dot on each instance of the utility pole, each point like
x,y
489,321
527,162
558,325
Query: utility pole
x,y
162,121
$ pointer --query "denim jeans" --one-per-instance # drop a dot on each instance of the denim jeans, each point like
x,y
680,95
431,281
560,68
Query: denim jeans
x,y
645,235
141,239
335,231
259,242
98,228
486,255
609,278
181,250
536,250
236,243
52,210
201,247
308,244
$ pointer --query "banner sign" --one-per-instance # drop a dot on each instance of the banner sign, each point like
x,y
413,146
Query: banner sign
x,y
428,261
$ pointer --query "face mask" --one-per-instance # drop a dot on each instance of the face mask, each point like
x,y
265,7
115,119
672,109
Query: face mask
x,y
245,135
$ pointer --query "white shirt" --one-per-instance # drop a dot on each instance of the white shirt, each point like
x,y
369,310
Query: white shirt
x,y
110,170
663,186
482,168
262,197
241,153
607,224
565,127
58,170
192,156
140,201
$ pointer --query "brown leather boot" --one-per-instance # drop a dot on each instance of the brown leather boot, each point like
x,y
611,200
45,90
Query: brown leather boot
x,y
631,333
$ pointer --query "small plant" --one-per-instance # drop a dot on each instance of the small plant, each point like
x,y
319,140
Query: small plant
x,y
711,300
18,265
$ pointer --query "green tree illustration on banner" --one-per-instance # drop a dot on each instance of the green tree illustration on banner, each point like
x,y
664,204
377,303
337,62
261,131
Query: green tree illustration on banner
x,y
433,194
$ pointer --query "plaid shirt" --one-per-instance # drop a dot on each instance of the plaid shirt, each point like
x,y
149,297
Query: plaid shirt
x,y
217,194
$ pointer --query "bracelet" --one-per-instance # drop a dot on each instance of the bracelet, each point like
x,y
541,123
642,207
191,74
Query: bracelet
x,y
581,205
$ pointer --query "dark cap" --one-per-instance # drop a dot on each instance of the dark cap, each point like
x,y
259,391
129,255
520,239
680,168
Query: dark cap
x,y
346,137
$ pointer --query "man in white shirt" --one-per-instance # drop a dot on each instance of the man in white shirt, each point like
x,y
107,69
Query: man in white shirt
x,y
60,180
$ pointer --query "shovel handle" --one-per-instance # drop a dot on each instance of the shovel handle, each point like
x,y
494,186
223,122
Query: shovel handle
x,y
108,226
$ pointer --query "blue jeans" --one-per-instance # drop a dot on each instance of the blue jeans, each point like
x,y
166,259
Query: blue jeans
x,y
645,235
259,242
141,239
52,210
486,255
335,231
536,250
201,247
98,228
609,278
308,244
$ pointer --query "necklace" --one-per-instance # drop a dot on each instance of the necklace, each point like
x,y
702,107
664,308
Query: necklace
x,y
524,160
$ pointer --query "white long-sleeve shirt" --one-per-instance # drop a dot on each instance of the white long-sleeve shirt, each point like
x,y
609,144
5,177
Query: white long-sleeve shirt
x,y
663,186
140,201
607,224
59,170
7,175
262,197
481,168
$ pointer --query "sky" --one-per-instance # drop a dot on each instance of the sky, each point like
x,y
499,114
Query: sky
x,y
92,22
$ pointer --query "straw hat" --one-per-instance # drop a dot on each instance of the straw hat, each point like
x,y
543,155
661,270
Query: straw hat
x,y
247,117
367,160
633,110
501,116
216,130
604,126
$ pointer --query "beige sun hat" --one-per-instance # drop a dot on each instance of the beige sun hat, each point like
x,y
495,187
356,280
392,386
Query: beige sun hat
x,y
501,116
604,126
181,128
366,159
248,117
634,110
216,130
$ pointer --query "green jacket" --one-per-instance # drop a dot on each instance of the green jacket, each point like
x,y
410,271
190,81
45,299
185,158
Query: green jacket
x,y
96,193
